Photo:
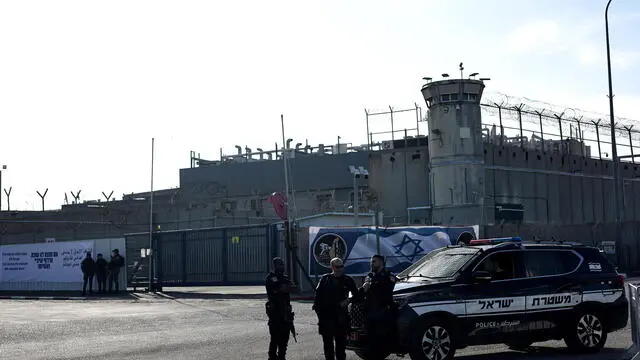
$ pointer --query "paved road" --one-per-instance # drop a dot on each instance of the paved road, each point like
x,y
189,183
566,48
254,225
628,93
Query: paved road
x,y
152,328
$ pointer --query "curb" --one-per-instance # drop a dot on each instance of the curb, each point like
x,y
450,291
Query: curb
x,y
58,298
42,298
76,298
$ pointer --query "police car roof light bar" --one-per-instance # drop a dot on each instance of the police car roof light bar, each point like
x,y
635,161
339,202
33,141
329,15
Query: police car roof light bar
x,y
494,241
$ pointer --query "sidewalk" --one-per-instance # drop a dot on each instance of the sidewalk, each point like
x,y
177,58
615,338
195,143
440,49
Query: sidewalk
x,y
60,295
195,292
227,292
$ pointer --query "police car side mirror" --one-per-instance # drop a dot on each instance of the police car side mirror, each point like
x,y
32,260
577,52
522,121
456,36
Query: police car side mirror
x,y
481,276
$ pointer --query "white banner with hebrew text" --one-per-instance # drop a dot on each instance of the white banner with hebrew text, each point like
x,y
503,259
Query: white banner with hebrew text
x,y
55,262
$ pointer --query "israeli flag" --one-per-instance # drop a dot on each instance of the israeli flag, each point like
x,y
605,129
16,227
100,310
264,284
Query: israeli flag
x,y
401,246
400,250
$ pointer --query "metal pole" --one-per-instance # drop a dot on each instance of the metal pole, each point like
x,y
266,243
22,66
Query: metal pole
x,y
286,175
151,219
614,150
355,200
366,114
406,185
579,136
597,124
417,120
8,193
541,129
392,132
519,110
560,126
501,127
633,159
377,222
3,167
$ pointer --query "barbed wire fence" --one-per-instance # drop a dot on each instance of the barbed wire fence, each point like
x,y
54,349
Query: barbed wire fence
x,y
516,117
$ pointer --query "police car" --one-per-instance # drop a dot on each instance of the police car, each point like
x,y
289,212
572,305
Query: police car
x,y
504,291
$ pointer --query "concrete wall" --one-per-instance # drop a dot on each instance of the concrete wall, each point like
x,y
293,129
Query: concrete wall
x,y
557,189
265,177
387,180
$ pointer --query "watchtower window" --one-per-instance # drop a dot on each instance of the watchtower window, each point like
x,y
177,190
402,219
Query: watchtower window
x,y
429,102
471,97
448,97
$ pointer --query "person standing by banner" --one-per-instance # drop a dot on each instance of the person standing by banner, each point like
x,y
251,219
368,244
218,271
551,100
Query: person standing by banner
x,y
115,264
378,303
330,304
88,267
101,274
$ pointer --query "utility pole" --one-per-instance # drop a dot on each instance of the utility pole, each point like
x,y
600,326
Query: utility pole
x,y
614,150
151,250
3,167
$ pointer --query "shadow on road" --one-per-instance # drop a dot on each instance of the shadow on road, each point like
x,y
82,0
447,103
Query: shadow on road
x,y
210,296
538,352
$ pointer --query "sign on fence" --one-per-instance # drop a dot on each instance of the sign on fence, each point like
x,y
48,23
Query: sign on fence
x,y
44,262
401,246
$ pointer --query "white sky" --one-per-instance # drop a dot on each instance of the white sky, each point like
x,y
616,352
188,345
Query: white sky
x,y
84,85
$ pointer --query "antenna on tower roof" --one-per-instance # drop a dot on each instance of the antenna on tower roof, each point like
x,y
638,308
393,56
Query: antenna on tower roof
x,y
461,72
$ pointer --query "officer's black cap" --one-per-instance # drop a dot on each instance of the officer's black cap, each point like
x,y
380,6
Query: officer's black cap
x,y
277,260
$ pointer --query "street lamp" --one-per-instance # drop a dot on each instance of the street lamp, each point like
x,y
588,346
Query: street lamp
x,y
4,167
357,172
614,150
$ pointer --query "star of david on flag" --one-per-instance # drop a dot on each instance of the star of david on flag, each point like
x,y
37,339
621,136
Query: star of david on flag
x,y
412,253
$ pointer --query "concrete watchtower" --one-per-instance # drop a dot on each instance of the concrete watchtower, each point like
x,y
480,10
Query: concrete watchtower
x,y
456,152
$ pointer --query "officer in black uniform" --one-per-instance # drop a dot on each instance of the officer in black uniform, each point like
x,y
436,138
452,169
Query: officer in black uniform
x,y
278,310
330,304
378,304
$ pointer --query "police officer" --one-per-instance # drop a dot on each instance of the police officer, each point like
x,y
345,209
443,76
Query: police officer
x,y
330,304
278,310
378,304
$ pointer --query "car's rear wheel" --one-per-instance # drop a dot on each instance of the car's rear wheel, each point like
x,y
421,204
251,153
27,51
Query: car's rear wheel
x,y
587,333
433,340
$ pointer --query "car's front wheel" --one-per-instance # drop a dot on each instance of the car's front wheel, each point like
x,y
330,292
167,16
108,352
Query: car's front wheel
x,y
586,333
433,340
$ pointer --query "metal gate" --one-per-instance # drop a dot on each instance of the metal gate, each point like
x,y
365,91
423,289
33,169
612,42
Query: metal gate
x,y
239,255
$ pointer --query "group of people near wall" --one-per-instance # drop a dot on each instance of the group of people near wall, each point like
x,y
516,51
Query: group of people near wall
x,y
104,272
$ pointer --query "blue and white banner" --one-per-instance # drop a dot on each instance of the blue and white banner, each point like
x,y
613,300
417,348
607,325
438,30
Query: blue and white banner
x,y
44,262
401,246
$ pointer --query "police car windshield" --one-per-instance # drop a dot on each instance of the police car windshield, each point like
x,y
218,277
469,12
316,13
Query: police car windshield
x,y
441,263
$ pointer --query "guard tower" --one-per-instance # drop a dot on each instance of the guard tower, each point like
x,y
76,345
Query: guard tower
x,y
456,153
